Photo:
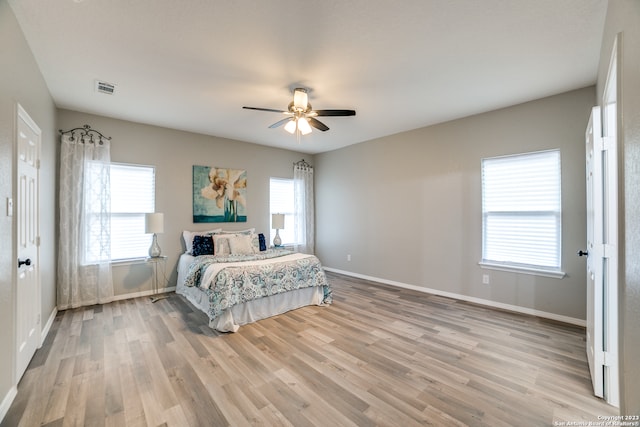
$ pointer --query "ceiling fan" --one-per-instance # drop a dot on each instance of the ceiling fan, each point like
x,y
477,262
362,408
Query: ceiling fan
x,y
300,115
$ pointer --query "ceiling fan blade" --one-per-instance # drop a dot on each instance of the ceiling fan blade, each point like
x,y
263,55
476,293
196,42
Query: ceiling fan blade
x,y
317,124
266,109
335,112
280,122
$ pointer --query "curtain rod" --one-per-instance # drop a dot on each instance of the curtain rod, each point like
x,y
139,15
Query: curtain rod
x,y
85,131
302,163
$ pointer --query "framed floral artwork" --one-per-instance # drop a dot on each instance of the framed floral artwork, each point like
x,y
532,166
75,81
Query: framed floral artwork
x,y
219,194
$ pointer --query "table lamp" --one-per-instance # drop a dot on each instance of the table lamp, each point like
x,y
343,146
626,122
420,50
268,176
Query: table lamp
x,y
154,223
277,222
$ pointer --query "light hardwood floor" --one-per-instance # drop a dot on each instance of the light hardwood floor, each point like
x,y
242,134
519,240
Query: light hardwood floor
x,y
377,356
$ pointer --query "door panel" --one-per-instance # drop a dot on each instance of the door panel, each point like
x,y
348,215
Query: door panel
x,y
610,228
595,353
602,239
27,217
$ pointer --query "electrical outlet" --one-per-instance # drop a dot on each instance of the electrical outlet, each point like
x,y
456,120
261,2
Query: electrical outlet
x,y
349,257
485,279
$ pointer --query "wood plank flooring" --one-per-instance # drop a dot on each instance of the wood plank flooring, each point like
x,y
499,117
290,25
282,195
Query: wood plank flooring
x,y
377,356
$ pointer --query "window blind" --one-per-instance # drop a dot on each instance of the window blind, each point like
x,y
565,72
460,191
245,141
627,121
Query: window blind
x,y
521,210
281,200
132,195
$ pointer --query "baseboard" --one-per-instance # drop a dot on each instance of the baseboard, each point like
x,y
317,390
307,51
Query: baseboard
x,y
480,301
134,295
7,401
47,326
142,294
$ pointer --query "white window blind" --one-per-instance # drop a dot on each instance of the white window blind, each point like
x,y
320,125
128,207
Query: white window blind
x,y
132,195
521,210
281,200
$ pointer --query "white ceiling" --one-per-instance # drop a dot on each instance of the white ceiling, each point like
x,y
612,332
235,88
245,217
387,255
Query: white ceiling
x,y
193,64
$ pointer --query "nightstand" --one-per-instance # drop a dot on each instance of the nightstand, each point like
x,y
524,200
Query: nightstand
x,y
155,261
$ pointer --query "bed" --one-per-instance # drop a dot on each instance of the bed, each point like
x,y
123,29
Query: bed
x,y
239,284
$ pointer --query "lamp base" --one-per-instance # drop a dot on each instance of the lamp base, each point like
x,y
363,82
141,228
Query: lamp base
x,y
277,241
154,250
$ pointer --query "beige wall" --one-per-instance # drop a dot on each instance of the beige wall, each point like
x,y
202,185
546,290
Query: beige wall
x,y
408,207
173,153
21,82
623,16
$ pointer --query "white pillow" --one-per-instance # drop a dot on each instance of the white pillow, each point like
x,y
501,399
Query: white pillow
x,y
221,244
247,231
189,235
241,244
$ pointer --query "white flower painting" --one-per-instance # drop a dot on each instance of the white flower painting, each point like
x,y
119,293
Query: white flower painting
x,y
219,194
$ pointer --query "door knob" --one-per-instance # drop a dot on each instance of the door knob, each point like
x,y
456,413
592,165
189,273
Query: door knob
x,y
25,262
583,253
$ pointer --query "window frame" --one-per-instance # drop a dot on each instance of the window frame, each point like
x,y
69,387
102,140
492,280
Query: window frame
x,y
287,234
555,214
139,215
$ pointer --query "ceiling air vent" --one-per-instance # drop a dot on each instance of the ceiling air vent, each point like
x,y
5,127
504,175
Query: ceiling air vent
x,y
104,87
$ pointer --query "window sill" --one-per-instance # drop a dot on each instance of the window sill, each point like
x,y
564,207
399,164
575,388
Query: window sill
x,y
129,261
556,274
288,246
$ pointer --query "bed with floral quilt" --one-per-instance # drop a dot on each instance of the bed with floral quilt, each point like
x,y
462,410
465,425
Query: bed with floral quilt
x,y
234,289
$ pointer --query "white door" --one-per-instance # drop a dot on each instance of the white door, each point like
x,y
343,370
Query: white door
x,y
595,351
610,230
602,241
27,219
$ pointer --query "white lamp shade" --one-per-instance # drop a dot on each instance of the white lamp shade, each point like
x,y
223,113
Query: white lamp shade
x,y
290,126
154,223
277,221
303,125
300,99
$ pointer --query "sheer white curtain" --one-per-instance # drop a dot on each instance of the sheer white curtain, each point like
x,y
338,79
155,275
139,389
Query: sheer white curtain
x,y
84,249
304,220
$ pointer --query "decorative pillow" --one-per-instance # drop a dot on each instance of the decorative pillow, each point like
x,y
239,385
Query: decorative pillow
x,y
202,245
221,244
189,235
262,244
241,244
247,231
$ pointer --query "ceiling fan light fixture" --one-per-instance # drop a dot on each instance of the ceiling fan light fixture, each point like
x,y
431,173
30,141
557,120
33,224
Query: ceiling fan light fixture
x,y
303,125
300,115
290,126
300,99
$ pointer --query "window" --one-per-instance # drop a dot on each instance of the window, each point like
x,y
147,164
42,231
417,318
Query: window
x,y
281,201
132,195
521,211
